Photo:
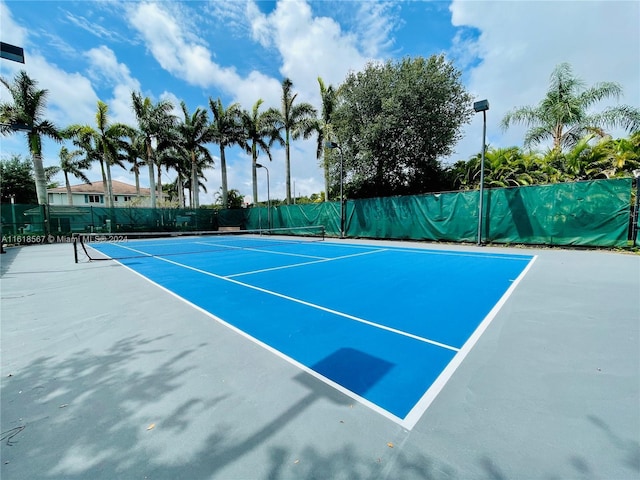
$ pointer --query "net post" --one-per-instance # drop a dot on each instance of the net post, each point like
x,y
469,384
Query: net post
x,y
75,249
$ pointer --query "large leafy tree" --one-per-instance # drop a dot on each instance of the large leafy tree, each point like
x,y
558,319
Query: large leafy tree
x,y
26,110
193,135
16,180
72,163
226,130
156,123
563,115
260,133
295,120
328,97
395,120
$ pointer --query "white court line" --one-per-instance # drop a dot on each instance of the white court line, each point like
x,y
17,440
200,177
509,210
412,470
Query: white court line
x,y
308,304
427,251
306,263
436,387
261,250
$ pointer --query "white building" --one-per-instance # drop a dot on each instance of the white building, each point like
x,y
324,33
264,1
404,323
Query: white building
x,y
93,194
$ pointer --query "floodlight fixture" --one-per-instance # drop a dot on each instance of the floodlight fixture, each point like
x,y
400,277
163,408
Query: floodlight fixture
x,y
481,106
11,52
18,126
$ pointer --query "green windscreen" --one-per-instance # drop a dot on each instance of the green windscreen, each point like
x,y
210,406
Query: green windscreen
x,y
591,213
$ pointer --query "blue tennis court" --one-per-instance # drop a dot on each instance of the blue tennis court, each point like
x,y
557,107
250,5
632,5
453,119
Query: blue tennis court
x,y
385,325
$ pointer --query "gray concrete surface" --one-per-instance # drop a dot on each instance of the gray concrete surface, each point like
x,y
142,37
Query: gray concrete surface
x,y
113,378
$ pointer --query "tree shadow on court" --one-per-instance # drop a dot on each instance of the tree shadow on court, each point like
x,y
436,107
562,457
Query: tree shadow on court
x,y
92,414
6,259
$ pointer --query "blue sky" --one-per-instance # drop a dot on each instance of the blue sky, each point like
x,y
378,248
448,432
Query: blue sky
x,y
82,51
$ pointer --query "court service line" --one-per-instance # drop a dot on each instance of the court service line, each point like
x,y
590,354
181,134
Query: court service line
x,y
305,263
236,247
303,302
429,251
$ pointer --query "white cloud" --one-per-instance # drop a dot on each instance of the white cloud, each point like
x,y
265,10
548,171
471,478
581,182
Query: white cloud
x,y
376,23
187,57
95,28
520,43
105,69
11,32
309,46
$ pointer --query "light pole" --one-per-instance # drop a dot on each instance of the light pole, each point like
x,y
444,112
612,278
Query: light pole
x,y
482,106
333,145
268,197
636,174
13,213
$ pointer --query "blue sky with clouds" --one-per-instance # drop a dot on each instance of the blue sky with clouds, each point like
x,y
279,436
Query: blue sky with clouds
x,y
82,51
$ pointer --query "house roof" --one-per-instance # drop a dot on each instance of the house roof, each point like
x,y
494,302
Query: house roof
x,y
56,210
119,188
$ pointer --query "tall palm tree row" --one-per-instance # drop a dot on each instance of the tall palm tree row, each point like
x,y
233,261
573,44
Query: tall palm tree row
x,y
580,147
226,130
295,120
27,112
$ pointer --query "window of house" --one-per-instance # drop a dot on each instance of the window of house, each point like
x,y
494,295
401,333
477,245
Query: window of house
x,y
93,199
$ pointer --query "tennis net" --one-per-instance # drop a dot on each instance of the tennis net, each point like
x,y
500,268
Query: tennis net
x,y
93,247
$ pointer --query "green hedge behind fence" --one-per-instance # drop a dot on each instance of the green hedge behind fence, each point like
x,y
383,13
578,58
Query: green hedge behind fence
x,y
592,213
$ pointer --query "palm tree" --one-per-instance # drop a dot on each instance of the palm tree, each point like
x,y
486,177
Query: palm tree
x,y
260,133
193,134
296,121
135,155
201,164
176,159
26,111
328,96
619,157
107,145
154,123
562,115
71,164
504,167
226,130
